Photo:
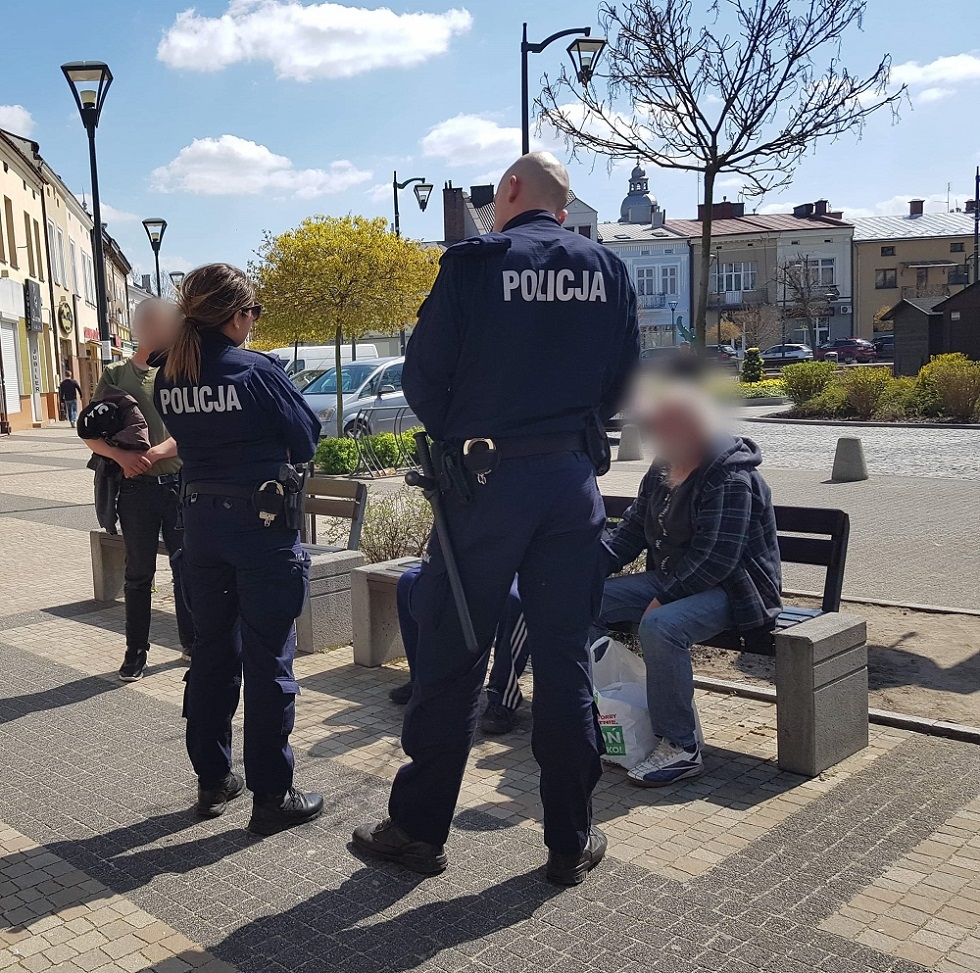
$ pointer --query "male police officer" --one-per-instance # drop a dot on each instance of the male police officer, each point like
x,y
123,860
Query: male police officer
x,y
522,349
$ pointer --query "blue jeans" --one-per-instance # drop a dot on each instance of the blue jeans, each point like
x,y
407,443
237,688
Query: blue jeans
x,y
510,652
71,410
666,634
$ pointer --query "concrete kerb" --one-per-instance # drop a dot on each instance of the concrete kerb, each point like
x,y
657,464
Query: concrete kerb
x,y
861,423
916,724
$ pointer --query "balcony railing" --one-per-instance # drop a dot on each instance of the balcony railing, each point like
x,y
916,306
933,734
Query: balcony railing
x,y
651,302
926,290
736,298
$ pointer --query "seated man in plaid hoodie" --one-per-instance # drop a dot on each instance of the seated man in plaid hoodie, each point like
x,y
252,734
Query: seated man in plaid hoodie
x,y
704,518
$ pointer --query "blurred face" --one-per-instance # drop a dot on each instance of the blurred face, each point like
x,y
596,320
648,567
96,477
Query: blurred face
x,y
155,325
678,431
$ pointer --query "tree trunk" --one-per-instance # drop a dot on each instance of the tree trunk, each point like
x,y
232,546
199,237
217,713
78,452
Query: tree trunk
x,y
701,321
339,337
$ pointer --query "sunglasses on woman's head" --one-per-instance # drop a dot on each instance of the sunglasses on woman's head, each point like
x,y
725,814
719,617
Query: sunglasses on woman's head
x,y
255,310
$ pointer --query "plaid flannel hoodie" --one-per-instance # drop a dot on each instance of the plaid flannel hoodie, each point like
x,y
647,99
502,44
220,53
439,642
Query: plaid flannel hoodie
x,y
734,544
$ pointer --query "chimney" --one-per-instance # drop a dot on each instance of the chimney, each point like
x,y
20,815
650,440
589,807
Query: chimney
x,y
803,211
971,205
146,283
481,195
453,223
837,214
725,210
820,207
915,207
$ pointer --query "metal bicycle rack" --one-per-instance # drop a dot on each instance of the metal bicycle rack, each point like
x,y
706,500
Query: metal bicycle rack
x,y
369,463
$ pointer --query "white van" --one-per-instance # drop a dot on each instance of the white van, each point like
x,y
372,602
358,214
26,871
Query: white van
x,y
320,356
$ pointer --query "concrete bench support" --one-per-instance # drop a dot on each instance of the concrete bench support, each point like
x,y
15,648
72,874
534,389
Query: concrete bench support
x,y
377,638
325,621
821,692
109,564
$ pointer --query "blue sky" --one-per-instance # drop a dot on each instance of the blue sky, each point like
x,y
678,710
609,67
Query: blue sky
x,y
238,116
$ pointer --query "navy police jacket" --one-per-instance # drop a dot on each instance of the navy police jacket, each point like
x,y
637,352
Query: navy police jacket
x,y
526,332
241,421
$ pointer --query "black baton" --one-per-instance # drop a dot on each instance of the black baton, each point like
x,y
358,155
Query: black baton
x,y
429,483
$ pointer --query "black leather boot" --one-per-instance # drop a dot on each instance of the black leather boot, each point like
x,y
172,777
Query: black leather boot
x,y
571,869
387,841
274,813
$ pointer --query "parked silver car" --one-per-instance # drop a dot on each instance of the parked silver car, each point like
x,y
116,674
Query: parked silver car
x,y
373,398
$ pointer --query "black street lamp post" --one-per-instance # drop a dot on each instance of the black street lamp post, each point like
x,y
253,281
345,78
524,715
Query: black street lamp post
x,y
584,52
673,307
177,278
422,190
89,82
155,228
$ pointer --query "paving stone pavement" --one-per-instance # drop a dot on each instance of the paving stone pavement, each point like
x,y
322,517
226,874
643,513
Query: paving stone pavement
x,y
875,866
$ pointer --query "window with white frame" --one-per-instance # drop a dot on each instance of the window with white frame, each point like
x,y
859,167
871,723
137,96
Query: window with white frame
x,y
735,277
668,280
73,262
60,257
88,278
646,281
54,259
822,270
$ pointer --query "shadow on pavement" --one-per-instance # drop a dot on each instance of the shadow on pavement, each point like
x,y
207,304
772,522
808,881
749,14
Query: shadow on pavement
x,y
16,707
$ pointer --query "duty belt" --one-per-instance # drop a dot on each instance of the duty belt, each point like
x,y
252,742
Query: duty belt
x,y
167,479
511,447
233,490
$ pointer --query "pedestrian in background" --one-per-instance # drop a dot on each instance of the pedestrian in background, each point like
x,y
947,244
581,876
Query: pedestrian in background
x,y
147,502
69,392
238,421
516,421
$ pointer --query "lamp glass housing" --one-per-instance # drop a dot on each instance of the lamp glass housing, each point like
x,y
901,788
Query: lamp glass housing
x,y
423,191
89,82
155,228
584,53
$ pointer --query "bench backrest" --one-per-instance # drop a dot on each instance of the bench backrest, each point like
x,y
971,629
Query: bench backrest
x,y
796,527
334,498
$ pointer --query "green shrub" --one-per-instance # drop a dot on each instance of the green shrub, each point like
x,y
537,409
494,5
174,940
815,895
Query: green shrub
x,y
831,403
752,366
336,456
899,401
409,449
864,389
807,379
950,386
384,447
396,524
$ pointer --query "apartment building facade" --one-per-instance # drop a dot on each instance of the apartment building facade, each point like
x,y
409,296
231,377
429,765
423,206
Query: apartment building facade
x,y
27,369
915,255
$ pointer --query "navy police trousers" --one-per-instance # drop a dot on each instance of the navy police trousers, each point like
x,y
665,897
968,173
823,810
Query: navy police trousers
x,y
245,584
541,518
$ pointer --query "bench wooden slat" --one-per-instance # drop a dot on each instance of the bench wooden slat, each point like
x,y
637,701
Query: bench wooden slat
x,y
325,497
324,486
806,550
328,507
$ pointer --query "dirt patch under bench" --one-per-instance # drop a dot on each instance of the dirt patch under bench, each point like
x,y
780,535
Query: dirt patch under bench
x,y
919,663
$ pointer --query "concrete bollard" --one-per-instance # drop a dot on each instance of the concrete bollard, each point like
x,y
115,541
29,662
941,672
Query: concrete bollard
x,y
849,464
630,446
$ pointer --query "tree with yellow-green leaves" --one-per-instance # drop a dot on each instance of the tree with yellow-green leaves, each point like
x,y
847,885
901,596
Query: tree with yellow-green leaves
x,y
336,278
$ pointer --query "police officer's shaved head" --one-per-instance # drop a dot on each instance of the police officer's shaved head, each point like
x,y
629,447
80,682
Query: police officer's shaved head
x,y
535,181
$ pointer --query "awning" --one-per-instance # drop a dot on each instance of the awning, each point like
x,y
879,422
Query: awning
x,y
931,263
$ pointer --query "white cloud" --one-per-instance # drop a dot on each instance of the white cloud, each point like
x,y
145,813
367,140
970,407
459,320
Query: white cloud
x,y
16,119
379,193
933,94
898,206
468,140
306,42
952,70
233,166
109,213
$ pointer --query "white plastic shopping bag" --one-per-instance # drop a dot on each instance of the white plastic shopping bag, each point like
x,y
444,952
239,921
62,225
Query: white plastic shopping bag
x,y
620,688
619,683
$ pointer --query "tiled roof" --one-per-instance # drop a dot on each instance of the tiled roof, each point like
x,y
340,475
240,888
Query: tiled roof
x,y
626,232
912,227
924,304
483,215
757,223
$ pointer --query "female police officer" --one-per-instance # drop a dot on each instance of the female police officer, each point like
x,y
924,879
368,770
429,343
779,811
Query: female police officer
x,y
237,420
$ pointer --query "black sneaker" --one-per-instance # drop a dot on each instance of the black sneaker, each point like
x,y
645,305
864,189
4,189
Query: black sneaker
x,y
402,694
213,799
275,813
496,718
133,667
387,841
571,870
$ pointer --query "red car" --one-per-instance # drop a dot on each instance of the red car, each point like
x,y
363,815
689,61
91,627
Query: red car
x,y
848,350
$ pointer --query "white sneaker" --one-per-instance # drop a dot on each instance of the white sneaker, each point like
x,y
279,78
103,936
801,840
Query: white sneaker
x,y
667,764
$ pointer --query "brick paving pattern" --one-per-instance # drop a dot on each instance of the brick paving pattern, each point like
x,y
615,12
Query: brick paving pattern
x,y
872,867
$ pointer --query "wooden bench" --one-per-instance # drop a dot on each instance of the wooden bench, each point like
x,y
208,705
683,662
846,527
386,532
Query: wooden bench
x,y
326,617
821,653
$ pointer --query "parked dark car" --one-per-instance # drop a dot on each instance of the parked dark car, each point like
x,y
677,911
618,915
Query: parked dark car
x,y
722,354
849,350
884,345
